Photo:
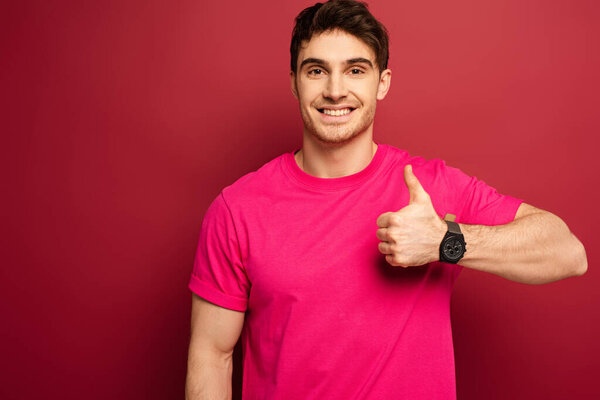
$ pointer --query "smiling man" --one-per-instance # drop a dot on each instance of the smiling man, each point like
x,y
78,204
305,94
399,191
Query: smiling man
x,y
335,262
337,85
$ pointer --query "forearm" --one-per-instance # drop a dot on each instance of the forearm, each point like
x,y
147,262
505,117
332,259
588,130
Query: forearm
x,y
208,376
535,249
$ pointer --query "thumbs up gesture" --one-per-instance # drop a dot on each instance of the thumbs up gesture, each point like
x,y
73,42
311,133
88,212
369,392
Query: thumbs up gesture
x,y
412,235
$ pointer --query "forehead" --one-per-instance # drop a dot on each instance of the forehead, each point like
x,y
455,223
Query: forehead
x,y
335,47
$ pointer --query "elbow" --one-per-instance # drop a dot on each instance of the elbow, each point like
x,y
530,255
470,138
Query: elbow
x,y
580,259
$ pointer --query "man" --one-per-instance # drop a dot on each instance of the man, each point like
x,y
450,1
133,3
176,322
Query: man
x,y
336,262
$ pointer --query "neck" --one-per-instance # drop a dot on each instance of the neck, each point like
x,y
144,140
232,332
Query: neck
x,y
335,161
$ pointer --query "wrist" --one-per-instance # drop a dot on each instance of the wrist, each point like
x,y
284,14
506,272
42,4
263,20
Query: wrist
x,y
440,231
453,246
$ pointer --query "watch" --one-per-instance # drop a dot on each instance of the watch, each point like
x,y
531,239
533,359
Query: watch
x,y
453,246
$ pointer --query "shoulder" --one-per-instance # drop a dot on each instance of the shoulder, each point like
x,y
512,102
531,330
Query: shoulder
x,y
425,168
255,183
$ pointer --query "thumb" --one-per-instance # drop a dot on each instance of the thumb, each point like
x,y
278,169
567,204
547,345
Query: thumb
x,y
416,191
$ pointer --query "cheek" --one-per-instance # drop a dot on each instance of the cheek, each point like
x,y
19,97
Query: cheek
x,y
366,92
307,96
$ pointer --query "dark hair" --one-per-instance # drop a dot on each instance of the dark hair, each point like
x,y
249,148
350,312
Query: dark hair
x,y
350,16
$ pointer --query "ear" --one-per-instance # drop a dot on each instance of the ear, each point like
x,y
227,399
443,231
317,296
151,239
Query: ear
x,y
293,84
385,80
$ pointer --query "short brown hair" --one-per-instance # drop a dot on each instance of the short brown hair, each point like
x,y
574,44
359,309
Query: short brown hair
x,y
350,16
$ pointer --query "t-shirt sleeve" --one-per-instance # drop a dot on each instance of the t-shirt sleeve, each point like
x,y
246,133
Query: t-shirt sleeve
x,y
478,202
218,274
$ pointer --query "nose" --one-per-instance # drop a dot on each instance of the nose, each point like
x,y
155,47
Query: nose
x,y
335,88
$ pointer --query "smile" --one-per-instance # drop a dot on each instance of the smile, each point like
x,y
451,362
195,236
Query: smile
x,y
337,112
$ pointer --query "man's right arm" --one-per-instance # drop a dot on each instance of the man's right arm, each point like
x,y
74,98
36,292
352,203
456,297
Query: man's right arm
x,y
214,332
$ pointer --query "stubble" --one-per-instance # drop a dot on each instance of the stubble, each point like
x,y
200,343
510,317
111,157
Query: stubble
x,y
338,133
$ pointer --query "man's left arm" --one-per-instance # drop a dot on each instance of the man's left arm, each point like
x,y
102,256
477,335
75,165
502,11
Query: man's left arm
x,y
536,247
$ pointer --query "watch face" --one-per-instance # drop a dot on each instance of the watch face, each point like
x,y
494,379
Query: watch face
x,y
453,249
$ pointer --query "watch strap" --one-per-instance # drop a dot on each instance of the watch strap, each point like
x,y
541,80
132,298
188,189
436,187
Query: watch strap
x,y
453,227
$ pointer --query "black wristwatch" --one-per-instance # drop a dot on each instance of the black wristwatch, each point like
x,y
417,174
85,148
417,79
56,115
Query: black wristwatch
x,y
453,246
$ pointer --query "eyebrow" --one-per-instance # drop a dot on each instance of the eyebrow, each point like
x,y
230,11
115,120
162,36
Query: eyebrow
x,y
356,60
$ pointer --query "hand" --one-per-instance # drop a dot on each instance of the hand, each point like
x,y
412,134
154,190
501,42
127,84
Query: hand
x,y
412,235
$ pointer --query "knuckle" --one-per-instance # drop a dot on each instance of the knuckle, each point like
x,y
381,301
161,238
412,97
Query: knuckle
x,y
395,219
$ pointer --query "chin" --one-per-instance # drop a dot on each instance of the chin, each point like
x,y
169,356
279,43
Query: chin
x,y
335,136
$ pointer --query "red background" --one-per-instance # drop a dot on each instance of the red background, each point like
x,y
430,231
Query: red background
x,y
121,121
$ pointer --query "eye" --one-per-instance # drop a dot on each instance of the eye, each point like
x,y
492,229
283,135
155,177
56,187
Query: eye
x,y
315,71
356,71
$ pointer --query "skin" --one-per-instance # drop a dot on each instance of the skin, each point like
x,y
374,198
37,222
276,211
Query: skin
x,y
333,149
536,248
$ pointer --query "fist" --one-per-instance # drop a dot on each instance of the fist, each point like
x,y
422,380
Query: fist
x,y
412,235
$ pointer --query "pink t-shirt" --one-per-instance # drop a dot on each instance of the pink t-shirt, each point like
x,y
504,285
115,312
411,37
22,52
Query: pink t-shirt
x,y
326,316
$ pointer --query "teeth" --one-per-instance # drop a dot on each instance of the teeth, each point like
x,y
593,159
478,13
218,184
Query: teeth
x,y
336,113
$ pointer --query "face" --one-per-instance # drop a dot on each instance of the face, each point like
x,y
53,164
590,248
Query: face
x,y
337,86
